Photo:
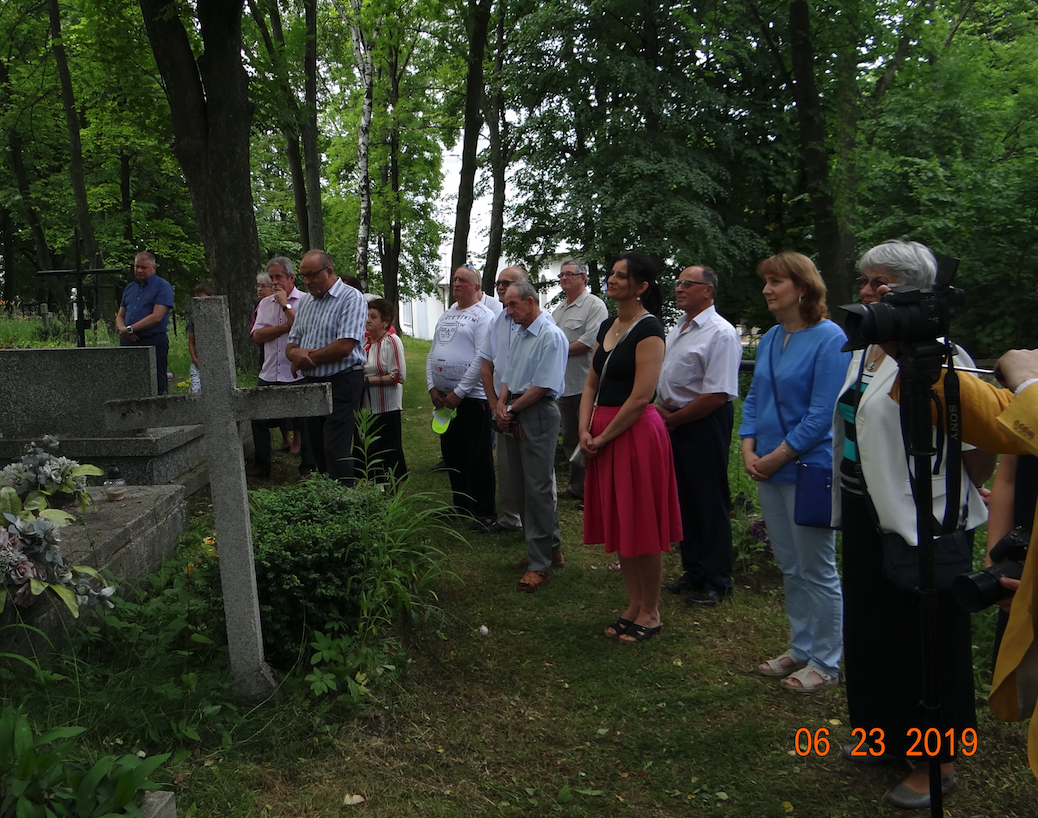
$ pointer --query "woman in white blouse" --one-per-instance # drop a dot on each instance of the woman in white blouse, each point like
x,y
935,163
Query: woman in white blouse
x,y
384,376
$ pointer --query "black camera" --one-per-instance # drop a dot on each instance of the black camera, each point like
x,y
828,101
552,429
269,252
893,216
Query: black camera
x,y
906,313
978,589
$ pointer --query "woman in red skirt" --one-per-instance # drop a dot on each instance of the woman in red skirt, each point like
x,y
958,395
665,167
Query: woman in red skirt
x,y
630,496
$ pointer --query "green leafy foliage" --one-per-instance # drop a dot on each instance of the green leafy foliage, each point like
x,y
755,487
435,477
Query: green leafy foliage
x,y
359,558
37,779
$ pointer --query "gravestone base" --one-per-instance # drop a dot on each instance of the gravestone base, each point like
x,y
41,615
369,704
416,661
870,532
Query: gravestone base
x,y
159,804
129,538
155,457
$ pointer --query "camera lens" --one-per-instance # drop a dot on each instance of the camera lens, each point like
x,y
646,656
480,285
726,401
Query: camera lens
x,y
977,590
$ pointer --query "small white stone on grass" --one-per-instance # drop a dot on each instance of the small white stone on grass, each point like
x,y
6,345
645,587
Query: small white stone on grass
x,y
484,630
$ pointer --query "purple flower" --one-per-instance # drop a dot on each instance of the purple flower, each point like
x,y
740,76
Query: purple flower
x,y
760,531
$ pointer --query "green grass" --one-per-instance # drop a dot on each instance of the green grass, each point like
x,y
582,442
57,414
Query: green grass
x,y
545,715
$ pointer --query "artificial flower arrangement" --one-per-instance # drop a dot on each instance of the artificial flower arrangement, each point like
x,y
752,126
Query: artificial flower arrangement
x,y
30,554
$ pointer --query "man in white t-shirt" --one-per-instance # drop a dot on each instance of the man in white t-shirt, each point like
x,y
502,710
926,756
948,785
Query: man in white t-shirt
x,y
453,377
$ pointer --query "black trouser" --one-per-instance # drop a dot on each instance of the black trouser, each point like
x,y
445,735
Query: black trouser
x,y
466,450
261,430
385,453
701,468
161,343
328,439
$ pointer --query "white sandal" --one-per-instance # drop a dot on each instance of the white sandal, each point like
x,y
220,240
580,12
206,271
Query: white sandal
x,y
777,670
806,685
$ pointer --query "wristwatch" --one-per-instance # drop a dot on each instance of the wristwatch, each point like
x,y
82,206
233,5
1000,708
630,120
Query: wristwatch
x,y
285,308
509,410
129,329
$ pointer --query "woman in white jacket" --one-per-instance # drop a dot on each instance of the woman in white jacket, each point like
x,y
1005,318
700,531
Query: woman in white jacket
x,y
883,654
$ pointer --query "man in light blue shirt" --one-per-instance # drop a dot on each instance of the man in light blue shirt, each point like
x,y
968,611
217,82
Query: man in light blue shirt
x,y
528,418
494,354
324,344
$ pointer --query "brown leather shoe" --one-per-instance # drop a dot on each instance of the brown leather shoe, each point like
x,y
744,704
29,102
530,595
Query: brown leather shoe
x,y
532,580
557,560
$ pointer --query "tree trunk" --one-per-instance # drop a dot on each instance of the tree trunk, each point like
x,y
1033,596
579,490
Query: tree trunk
x,y
846,174
311,156
75,166
390,246
7,240
478,24
813,151
366,69
43,257
211,124
497,124
274,41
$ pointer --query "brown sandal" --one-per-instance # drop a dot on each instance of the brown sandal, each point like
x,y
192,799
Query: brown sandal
x,y
557,560
532,580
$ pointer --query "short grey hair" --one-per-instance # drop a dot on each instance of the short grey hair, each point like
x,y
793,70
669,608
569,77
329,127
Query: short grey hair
x,y
579,263
284,263
524,289
913,263
263,278
709,276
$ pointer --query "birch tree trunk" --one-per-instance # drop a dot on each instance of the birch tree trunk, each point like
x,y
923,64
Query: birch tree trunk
x,y
366,71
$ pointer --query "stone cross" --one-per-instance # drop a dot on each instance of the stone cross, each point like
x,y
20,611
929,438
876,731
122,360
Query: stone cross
x,y
220,406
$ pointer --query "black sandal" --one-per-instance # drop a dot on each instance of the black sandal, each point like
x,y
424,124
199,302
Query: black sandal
x,y
621,625
640,633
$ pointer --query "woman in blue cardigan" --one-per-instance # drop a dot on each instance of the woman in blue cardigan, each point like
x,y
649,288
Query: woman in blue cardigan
x,y
787,418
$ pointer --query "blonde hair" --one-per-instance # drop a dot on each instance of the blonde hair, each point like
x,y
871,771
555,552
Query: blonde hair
x,y
802,271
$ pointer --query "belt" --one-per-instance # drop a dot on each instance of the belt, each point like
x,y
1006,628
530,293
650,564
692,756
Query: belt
x,y
339,374
514,396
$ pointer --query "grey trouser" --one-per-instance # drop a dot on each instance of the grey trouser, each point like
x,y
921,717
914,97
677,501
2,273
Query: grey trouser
x,y
532,462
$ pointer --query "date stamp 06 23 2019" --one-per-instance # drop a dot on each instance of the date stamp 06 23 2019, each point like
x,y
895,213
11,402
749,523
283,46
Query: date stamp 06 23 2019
x,y
927,743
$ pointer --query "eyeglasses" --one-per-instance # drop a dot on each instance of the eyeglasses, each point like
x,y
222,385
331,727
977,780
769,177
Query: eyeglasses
x,y
873,283
313,275
569,275
505,284
683,283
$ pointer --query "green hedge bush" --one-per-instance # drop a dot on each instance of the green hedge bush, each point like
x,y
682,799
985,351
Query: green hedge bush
x,y
360,557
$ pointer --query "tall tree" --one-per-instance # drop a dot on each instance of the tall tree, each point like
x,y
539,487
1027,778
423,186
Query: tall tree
x,y
833,246
311,154
364,35
477,25
68,100
211,119
273,38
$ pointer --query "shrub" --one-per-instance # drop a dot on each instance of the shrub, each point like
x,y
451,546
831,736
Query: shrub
x,y
359,557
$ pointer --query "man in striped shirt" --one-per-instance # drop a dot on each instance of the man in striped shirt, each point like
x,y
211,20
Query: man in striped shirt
x,y
324,344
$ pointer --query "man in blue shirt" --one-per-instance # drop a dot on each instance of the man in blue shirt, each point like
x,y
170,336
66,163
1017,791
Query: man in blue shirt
x,y
144,314
325,345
